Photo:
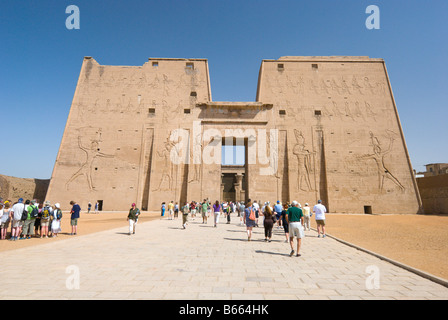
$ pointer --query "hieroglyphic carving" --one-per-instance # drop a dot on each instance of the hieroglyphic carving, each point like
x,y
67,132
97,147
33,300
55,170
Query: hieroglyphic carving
x,y
166,85
378,156
324,87
197,158
369,111
193,73
343,85
155,83
356,86
168,167
304,162
92,152
369,86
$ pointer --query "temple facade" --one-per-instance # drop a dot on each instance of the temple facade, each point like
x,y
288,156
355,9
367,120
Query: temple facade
x,y
320,128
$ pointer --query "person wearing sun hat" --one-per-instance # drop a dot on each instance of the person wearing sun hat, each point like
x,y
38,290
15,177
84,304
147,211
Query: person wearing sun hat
x,y
5,218
134,212
306,215
56,222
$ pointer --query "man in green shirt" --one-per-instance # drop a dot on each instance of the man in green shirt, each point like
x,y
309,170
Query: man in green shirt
x,y
28,225
295,221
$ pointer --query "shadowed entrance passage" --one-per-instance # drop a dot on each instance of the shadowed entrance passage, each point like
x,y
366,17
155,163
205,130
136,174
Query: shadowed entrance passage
x,y
233,169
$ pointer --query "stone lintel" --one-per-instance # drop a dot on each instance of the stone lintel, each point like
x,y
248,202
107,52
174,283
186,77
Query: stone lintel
x,y
235,105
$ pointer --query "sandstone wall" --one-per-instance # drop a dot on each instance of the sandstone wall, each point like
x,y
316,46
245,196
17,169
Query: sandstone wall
x,y
12,188
333,121
434,193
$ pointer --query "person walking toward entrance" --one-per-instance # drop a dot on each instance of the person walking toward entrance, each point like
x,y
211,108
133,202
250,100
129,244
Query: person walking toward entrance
x,y
278,208
295,220
249,218
216,211
285,224
268,223
241,212
170,210
320,210
306,216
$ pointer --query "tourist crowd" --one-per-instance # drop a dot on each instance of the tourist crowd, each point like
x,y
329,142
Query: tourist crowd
x,y
27,219
292,217
30,219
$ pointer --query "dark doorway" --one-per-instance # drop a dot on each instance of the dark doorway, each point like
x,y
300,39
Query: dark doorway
x,y
368,209
228,181
100,205
234,169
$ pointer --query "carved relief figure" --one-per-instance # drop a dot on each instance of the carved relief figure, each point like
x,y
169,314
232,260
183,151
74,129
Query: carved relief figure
x,y
378,156
369,111
335,87
304,162
197,158
369,86
356,86
168,166
166,85
92,152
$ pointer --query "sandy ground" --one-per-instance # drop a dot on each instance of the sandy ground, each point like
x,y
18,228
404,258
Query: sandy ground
x,y
420,241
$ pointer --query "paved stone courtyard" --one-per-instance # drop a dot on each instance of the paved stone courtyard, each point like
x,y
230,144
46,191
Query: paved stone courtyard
x,y
162,261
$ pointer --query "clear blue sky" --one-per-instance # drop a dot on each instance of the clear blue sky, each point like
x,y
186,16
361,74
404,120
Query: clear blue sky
x,y
40,58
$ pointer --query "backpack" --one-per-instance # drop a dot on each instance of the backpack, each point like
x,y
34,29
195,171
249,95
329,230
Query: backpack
x,y
58,214
46,213
252,214
35,212
24,214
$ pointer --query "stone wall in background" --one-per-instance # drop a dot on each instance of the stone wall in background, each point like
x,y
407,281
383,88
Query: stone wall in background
x,y
12,188
434,194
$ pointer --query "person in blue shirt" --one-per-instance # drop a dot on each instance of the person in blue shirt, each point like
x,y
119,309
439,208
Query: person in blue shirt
x,y
76,209
278,208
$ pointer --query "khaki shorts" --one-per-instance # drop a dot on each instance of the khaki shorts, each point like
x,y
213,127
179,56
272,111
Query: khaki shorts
x,y
44,222
296,230
17,223
5,225
74,222
320,222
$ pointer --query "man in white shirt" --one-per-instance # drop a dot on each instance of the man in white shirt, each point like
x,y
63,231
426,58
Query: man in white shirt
x,y
320,210
17,211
